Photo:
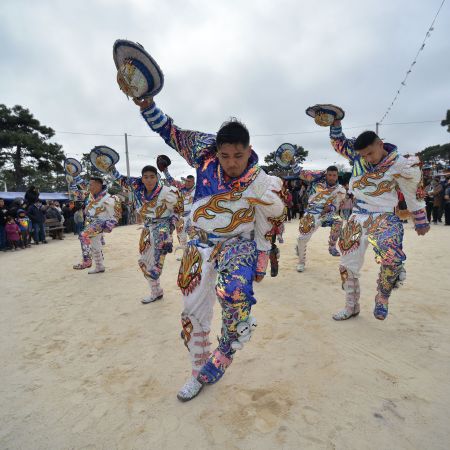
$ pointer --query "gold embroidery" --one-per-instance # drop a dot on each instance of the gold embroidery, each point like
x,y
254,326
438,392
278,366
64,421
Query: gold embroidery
x,y
350,236
189,275
306,224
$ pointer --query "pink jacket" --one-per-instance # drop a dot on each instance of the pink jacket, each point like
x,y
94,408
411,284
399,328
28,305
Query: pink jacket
x,y
12,232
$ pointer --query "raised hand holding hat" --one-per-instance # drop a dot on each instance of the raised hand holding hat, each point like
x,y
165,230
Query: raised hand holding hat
x,y
138,74
325,115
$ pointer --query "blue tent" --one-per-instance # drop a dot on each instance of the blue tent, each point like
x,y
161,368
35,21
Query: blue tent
x,y
62,196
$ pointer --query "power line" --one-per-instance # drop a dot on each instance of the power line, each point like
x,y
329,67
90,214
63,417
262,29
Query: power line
x,y
403,83
322,130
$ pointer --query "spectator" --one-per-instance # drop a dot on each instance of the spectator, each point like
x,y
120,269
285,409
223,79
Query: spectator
x,y
12,233
436,193
52,213
37,216
68,212
78,218
447,202
428,187
3,216
32,195
24,223
289,203
16,204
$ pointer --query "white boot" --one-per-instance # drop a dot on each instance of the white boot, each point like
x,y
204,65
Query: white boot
x,y
98,269
191,389
300,267
151,298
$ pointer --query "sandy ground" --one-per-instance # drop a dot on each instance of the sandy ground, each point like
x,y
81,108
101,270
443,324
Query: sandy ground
x,y
86,366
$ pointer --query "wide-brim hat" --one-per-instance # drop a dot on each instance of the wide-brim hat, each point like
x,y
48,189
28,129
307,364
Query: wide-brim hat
x,y
103,157
138,74
163,162
325,114
285,155
72,167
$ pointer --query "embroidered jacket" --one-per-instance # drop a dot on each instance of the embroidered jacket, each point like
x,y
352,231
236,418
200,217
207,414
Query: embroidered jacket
x,y
161,203
375,186
223,208
186,194
99,207
321,194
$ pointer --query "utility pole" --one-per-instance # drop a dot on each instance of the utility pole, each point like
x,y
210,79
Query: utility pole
x,y
376,127
126,155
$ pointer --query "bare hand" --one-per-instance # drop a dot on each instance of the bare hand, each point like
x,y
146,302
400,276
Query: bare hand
x,y
423,231
143,103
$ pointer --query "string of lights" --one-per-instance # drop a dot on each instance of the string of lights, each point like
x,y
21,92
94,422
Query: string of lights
x,y
403,83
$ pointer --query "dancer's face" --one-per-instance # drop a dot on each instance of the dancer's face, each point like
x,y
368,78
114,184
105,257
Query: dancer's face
x,y
189,183
149,179
331,177
234,158
95,187
373,153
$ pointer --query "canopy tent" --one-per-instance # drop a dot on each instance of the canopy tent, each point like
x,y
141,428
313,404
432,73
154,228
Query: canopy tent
x,y
42,195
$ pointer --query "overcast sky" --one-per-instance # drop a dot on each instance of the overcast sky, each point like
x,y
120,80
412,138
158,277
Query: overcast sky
x,y
259,60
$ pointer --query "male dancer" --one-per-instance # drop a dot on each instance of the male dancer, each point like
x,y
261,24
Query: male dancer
x,y
325,197
102,212
187,190
159,207
378,173
234,198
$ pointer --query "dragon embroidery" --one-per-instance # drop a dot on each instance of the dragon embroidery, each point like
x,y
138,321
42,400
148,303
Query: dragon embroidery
x,y
190,272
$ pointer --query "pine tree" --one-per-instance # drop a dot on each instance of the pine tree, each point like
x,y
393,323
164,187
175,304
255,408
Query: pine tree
x,y
27,157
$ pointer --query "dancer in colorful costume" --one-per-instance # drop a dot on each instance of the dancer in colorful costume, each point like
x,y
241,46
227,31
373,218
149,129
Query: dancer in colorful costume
x,y
326,194
160,208
233,199
379,171
103,212
186,189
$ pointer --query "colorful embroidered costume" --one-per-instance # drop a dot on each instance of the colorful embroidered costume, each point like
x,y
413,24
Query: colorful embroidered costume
x,y
222,256
159,210
102,213
323,207
188,198
373,220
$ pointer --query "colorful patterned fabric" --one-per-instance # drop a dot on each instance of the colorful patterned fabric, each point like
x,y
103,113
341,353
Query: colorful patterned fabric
x,y
375,187
225,207
384,232
220,260
160,210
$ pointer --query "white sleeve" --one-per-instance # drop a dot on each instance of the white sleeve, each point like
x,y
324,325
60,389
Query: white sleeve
x,y
408,176
270,212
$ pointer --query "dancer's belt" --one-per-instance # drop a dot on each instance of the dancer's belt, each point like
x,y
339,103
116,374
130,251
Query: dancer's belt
x,y
358,209
205,239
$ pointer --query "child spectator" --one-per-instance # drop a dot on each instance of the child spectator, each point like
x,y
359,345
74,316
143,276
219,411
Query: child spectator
x,y
12,234
24,223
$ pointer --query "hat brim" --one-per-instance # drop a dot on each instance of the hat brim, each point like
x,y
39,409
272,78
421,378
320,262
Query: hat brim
x,y
72,167
124,50
338,112
285,155
103,157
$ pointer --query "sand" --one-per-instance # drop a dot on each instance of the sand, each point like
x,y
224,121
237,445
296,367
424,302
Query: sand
x,y
86,366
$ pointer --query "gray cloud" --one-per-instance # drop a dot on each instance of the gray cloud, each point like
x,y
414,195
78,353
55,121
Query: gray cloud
x,y
261,61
